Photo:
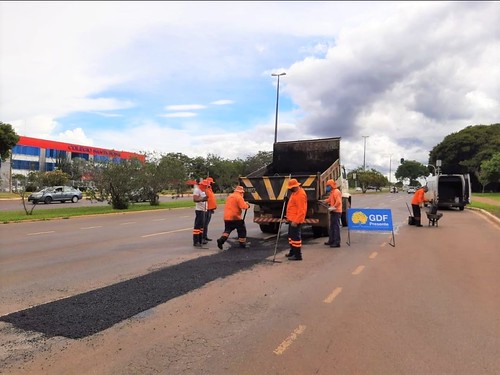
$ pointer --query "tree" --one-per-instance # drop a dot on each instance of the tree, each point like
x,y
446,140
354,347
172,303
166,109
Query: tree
x,y
8,139
53,178
490,171
412,170
365,178
464,151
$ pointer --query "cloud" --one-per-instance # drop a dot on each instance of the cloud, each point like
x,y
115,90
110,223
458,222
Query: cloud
x,y
405,74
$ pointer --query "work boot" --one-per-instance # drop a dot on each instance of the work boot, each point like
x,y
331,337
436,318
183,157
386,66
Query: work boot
x,y
290,253
297,255
244,245
220,242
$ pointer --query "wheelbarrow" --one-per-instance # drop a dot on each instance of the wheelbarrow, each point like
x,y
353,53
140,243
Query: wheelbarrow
x,y
432,215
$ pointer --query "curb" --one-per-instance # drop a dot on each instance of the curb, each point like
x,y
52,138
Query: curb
x,y
489,216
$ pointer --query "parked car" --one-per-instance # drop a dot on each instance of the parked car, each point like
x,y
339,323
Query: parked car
x,y
411,190
56,194
142,195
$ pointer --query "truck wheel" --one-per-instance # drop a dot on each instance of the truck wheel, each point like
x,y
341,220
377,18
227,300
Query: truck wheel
x,y
269,228
319,232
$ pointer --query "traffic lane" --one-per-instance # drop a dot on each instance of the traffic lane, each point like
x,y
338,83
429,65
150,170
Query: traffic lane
x,y
403,312
427,306
43,261
17,204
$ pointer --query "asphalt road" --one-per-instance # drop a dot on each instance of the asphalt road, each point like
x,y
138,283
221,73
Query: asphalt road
x,y
128,294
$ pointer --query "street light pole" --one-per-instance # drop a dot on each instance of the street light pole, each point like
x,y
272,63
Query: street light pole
x,y
364,153
277,101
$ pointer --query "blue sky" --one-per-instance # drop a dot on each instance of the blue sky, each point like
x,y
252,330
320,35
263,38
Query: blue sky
x,y
195,77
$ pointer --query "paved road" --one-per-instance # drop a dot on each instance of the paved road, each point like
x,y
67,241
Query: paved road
x,y
429,305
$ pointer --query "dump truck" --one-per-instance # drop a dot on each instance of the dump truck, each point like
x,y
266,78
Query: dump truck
x,y
312,163
449,190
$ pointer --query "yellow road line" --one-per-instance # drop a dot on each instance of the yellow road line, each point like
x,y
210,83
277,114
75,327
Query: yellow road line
x,y
332,296
373,255
358,270
161,233
289,340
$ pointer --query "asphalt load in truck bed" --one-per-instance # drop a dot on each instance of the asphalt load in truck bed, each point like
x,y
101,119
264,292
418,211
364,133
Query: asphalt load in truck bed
x,y
91,312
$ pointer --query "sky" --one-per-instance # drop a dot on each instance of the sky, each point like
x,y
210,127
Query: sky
x,y
392,79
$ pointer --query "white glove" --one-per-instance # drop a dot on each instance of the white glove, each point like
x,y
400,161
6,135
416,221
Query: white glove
x,y
331,209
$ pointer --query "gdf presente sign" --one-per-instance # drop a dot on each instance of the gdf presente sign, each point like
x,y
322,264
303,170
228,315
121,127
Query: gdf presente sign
x,y
369,219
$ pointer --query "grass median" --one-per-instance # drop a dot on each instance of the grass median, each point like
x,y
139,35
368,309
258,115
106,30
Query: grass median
x,y
67,212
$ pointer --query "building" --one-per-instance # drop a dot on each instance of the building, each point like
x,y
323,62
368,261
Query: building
x,y
40,155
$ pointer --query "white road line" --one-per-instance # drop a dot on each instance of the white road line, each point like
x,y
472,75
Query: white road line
x,y
85,228
358,270
162,233
373,255
289,340
332,295
159,219
38,233
130,222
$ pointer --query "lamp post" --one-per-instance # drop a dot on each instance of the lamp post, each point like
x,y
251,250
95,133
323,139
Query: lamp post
x,y
390,165
364,153
277,100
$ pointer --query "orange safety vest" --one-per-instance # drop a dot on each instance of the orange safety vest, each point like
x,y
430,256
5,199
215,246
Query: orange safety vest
x,y
235,204
297,206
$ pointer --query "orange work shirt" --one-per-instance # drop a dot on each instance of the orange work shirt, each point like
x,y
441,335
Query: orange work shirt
x,y
419,197
211,199
335,200
296,209
235,204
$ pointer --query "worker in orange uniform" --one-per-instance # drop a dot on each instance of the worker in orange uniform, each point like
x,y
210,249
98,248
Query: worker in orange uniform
x,y
334,202
296,211
211,207
417,201
200,199
235,204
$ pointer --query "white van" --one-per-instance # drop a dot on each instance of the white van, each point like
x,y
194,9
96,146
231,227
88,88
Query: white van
x,y
449,190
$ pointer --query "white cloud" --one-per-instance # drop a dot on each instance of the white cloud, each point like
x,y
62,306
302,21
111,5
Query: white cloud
x,y
404,73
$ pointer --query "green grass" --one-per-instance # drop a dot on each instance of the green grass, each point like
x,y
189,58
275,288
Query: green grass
x,y
495,196
20,215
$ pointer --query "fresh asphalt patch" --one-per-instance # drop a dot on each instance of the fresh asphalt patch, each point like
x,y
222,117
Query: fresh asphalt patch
x,y
94,311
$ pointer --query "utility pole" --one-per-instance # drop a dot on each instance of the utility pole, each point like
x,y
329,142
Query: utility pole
x,y
364,153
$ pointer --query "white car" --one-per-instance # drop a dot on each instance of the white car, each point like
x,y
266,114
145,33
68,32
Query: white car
x,y
411,190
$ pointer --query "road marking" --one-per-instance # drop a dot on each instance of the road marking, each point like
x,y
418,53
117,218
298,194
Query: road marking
x,y
289,340
373,255
158,219
332,296
161,233
358,270
84,228
383,244
130,222
37,233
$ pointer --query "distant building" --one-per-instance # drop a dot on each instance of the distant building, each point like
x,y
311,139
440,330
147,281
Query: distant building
x,y
40,155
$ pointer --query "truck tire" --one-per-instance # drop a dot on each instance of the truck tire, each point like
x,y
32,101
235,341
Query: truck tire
x,y
319,231
269,228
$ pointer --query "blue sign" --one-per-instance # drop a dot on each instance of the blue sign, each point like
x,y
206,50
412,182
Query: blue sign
x,y
369,219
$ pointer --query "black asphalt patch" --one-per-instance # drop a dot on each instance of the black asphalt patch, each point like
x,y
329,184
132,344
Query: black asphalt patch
x,y
91,312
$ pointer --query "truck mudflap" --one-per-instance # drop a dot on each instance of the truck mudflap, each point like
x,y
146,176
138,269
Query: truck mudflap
x,y
274,188
265,220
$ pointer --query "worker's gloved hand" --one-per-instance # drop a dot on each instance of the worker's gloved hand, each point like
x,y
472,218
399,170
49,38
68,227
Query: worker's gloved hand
x,y
293,224
331,209
285,198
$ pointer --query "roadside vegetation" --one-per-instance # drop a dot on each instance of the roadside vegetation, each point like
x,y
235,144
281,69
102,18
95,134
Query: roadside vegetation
x,y
75,210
